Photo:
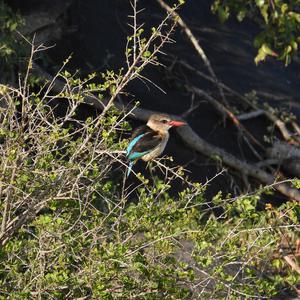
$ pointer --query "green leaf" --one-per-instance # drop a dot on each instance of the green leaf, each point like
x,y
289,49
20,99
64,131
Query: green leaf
x,y
260,3
223,13
295,16
147,54
241,15
264,13
263,52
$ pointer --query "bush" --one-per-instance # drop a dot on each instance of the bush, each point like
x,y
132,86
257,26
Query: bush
x,y
69,230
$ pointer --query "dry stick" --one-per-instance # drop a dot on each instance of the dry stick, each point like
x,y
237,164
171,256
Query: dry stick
x,y
250,115
8,201
194,141
196,45
138,63
19,221
224,111
201,146
287,135
227,113
296,127
291,260
288,156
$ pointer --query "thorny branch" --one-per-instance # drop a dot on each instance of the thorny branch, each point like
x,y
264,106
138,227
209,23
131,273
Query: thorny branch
x,y
142,55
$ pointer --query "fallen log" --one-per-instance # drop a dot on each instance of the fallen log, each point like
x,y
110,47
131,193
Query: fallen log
x,y
288,157
191,138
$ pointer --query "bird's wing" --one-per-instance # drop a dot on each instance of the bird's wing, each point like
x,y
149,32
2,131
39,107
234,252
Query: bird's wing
x,y
143,141
140,130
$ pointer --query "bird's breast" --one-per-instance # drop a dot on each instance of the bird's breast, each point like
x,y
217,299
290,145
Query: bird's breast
x,y
158,150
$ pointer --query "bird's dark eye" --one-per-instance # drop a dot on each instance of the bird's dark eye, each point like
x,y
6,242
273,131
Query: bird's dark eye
x,y
164,121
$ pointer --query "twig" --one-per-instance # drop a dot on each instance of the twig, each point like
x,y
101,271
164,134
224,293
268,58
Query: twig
x,y
192,108
296,127
287,135
291,260
8,200
195,142
196,45
250,115
140,61
223,111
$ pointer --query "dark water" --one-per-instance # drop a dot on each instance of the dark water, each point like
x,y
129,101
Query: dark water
x,y
97,42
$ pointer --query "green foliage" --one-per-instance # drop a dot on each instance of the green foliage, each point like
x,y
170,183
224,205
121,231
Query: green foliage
x,y
279,20
80,236
71,229
10,47
157,248
296,183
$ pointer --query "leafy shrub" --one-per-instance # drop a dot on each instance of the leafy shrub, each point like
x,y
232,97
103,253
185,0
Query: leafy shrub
x,y
279,20
68,230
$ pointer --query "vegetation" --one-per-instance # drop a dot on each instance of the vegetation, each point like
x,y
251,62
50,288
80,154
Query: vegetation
x,y
71,228
9,50
68,231
279,20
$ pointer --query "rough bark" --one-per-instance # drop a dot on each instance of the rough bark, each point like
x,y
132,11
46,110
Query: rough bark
x,y
288,157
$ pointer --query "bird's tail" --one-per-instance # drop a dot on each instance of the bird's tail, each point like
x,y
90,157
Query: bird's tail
x,y
131,163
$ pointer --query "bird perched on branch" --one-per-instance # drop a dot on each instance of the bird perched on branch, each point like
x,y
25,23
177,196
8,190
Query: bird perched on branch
x,y
149,141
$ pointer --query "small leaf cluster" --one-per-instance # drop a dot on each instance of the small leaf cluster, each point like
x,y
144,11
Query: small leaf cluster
x,y
10,45
279,21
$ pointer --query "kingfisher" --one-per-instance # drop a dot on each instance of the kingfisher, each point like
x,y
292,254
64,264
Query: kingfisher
x,y
149,141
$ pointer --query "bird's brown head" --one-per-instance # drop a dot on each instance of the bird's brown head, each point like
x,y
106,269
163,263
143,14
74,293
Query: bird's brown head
x,y
163,122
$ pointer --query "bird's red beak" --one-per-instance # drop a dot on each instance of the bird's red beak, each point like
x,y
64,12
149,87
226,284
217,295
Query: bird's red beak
x,y
177,123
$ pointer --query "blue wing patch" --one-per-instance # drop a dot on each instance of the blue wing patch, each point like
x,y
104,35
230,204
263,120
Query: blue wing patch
x,y
136,155
132,143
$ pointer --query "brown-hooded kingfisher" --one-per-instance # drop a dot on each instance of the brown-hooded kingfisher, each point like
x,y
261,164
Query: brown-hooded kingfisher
x,y
149,141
